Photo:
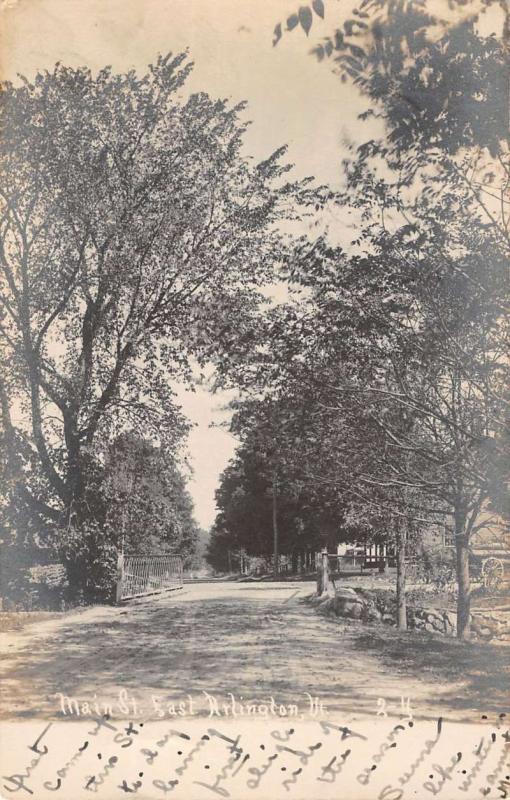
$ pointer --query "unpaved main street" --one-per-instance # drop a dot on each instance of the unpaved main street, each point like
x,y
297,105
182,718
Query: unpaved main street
x,y
251,640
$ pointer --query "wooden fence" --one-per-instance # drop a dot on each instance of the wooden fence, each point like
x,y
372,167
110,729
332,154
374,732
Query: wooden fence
x,y
144,575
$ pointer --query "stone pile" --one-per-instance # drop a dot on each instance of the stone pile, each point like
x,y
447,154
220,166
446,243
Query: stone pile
x,y
369,606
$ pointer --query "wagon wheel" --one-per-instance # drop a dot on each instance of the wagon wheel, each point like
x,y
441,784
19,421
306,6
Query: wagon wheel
x,y
492,573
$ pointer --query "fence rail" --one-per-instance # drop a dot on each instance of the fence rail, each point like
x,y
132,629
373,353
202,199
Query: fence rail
x,y
346,563
143,575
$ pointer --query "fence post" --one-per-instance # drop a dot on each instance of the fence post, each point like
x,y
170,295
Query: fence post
x,y
120,576
324,583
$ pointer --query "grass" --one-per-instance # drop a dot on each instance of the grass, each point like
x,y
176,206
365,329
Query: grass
x,y
15,620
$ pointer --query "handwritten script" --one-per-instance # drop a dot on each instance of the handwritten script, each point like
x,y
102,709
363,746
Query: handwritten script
x,y
381,759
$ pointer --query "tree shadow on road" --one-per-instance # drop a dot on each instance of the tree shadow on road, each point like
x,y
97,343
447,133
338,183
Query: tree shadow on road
x,y
255,648
482,668
169,649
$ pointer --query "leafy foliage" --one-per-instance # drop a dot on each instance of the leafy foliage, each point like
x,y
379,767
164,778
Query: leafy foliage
x,y
149,508
399,342
443,85
134,235
246,503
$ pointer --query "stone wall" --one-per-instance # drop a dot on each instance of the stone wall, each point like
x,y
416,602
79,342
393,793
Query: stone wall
x,y
380,606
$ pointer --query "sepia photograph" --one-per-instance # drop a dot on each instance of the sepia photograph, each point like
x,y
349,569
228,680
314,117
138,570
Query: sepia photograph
x,y
255,399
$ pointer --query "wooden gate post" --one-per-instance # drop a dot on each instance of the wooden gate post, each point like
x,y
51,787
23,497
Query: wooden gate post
x,y
120,577
324,583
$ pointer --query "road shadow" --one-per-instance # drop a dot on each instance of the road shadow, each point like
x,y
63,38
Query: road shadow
x,y
483,669
254,648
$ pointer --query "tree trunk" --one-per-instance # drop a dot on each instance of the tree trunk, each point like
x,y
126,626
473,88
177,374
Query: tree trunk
x,y
120,577
463,582
401,581
275,529
320,580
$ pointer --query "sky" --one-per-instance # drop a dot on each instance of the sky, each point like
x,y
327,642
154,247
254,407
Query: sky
x,y
292,99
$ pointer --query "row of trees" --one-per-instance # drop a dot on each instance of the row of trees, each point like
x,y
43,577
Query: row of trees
x,y
388,370
265,505
134,234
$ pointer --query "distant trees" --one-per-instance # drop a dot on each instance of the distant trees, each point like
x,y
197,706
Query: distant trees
x,y
270,513
133,235
266,506
149,507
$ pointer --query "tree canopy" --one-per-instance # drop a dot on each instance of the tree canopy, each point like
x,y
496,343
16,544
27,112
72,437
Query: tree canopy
x,y
394,345
134,235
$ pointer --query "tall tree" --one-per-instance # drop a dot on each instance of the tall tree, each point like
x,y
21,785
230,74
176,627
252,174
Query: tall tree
x,y
133,236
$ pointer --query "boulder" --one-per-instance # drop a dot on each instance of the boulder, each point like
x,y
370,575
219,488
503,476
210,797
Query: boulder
x,y
429,613
411,618
326,611
366,594
485,633
438,624
314,599
346,591
353,610
349,605
450,618
340,602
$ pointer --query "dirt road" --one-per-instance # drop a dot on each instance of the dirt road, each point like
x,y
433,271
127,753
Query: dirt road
x,y
238,643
